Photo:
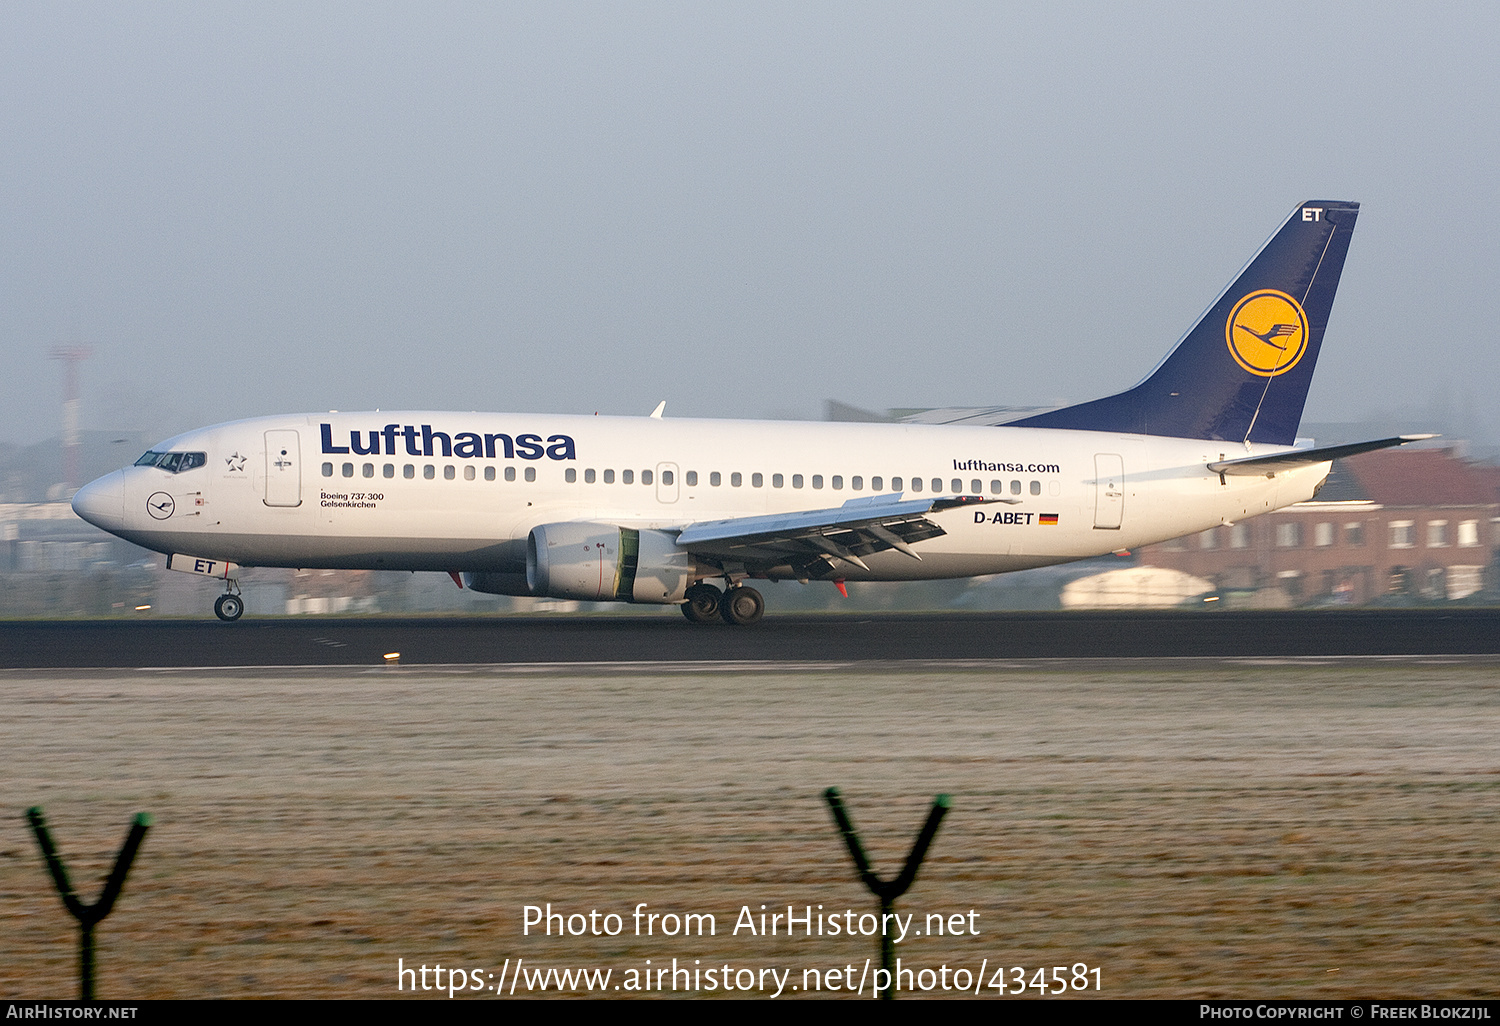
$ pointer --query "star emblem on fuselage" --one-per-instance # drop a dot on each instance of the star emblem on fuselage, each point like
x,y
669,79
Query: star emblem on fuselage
x,y
235,461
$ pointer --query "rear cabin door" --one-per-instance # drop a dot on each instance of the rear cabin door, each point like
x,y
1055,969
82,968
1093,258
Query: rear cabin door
x,y
1109,491
283,469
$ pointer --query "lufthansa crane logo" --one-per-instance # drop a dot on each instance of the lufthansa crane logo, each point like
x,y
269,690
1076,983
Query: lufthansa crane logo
x,y
1267,332
160,505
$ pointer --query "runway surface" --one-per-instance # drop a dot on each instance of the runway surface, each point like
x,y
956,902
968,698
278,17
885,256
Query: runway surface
x,y
334,641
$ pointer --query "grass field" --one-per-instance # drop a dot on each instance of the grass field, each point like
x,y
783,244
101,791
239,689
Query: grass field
x,y
1244,828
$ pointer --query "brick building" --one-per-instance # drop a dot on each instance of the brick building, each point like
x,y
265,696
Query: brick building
x,y
1393,525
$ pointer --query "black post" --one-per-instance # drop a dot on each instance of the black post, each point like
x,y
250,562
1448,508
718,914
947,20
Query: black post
x,y
88,916
887,891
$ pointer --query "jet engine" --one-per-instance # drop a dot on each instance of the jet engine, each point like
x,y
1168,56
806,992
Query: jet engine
x,y
493,582
601,563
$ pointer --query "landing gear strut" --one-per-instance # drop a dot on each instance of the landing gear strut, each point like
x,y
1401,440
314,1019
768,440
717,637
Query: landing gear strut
x,y
742,606
702,605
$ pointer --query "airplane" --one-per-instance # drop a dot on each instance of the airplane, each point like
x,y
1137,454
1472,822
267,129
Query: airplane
x,y
654,509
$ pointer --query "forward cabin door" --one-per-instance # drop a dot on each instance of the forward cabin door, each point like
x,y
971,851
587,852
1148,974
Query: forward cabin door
x,y
283,469
1109,491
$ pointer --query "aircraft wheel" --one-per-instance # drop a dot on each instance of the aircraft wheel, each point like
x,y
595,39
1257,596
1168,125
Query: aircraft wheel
x,y
742,606
229,607
702,605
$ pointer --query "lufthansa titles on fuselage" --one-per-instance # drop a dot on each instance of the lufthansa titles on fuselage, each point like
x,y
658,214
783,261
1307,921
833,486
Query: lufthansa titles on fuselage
x,y
421,440
1007,468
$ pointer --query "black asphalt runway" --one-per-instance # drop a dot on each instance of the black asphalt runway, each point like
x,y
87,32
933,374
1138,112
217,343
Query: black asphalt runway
x,y
334,641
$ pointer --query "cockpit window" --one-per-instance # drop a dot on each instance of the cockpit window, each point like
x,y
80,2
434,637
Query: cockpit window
x,y
173,462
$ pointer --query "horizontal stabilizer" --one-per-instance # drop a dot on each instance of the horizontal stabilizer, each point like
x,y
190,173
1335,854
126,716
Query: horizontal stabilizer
x,y
1254,466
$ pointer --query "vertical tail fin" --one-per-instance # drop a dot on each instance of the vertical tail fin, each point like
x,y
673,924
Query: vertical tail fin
x,y
1242,372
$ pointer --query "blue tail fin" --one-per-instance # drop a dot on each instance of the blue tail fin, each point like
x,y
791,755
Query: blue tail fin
x,y
1242,372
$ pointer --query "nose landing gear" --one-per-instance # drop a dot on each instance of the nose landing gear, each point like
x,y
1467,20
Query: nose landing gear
x,y
229,606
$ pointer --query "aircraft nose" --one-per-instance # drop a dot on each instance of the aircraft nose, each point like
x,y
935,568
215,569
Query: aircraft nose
x,y
102,502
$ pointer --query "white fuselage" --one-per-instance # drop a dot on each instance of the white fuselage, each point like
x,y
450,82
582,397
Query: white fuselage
x,y
272,494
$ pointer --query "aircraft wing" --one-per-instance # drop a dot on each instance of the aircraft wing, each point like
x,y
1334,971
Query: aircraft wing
x,y
1254,466
810,540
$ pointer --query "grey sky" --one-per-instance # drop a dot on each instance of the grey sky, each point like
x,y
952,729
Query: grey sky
x,y
264,208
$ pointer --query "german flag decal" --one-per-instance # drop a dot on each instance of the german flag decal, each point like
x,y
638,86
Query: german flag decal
x,y
1047,518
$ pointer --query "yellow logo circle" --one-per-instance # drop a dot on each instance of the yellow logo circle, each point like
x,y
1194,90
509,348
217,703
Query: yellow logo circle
x,y
1267,332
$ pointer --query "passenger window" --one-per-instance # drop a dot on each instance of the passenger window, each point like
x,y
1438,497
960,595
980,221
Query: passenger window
x,y
531,473
570,475
627,477
996,487
510,473
1036,488
1015,488
327,469
389,470
817,480
428,471
796,480
896,484
714,479
916,484
978,488
588,476
348,469
877,483
408,471
937,484
958,486
469,473
735,479
609,477
647,477
368,470
489,473
692,479
757,480
777,480
448,472
666,477
857,483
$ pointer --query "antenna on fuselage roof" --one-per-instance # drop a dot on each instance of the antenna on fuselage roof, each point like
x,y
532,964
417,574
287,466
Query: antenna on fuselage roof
x,y
656,413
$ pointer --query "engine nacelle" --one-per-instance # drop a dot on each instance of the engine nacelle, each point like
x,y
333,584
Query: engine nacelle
x,y
601,563
494,583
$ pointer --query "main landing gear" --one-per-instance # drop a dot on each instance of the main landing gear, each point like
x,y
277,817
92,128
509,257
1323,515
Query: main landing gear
x,y
229,606
702,605
742,606
739,605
